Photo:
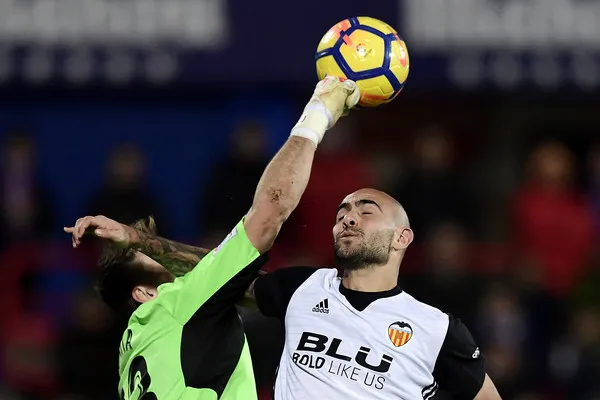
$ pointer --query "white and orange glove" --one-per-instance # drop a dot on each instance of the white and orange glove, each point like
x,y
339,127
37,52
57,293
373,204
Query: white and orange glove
x,y
332,98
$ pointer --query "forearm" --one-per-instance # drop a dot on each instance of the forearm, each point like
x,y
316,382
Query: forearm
x,y
279,191
285,178
177,258
488,391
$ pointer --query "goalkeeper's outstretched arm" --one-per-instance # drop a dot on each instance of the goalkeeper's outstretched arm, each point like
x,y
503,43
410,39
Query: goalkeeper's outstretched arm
x,y
285,178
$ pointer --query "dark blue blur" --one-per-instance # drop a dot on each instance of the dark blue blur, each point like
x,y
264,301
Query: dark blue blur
x,y
493,148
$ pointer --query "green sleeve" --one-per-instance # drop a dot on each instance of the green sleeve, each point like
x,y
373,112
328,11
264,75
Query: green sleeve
x,y
188,293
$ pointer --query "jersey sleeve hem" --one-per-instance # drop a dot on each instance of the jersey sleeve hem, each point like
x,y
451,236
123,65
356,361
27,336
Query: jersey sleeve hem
x,y
460,367
239,229
184,296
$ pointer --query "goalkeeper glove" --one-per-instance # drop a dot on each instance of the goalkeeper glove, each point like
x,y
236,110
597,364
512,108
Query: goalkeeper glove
x,y
331,99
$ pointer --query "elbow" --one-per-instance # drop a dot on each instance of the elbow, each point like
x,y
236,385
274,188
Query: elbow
x,y
266,216
263,225
275,209
278,205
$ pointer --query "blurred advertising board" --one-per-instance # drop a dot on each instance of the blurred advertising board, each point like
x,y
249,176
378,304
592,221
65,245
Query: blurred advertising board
x,y
508,43
505,44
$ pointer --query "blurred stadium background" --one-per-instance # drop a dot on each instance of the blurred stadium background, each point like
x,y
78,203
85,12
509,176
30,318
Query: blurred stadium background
x,y
173,108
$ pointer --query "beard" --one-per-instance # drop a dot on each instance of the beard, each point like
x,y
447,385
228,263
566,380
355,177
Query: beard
x,y
372,250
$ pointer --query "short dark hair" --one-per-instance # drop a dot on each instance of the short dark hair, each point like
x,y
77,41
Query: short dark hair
x,y
118,273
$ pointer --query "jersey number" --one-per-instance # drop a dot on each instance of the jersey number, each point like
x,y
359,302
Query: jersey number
x,y
139,381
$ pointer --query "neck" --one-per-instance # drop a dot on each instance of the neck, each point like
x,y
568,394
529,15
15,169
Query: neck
x,y
372,279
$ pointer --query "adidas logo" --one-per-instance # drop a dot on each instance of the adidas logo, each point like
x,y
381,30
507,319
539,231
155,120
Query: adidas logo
x,y
322,307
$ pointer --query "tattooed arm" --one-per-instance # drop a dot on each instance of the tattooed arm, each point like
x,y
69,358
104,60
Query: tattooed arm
x,y
177,258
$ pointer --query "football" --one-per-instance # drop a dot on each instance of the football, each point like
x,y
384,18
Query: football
x,y
369,52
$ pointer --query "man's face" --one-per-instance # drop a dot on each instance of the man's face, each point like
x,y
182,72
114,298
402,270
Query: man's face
x,y
364,230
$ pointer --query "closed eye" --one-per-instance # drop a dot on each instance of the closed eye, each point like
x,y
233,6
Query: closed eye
x,y
366,213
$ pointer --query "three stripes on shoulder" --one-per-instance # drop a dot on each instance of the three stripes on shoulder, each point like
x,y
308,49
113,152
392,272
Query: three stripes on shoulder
x,y
322,307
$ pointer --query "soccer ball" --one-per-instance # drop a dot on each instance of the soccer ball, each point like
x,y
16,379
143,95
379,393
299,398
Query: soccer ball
x,y
369,52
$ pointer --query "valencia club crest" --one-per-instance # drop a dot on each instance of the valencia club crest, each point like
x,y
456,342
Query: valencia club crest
x,y
400,333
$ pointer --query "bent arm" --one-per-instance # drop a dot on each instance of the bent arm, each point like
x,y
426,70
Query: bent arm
x,y
277,195
177,258
279,191
488,391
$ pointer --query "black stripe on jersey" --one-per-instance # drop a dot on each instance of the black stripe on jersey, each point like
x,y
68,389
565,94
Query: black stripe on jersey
x,y
429,391
457,372
426,388
323,304
213,339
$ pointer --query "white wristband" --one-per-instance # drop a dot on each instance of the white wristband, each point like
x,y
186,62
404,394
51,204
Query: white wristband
x,y
307,134
313,123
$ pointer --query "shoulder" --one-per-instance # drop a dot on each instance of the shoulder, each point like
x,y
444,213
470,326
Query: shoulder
x,y
161,308
426,312
291,279
454,334
458,339
327,276
460,368
427,322
296,275
320,278
273,291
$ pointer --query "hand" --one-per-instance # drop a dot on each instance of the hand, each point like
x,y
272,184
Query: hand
x,y
332,98
101,227
337,95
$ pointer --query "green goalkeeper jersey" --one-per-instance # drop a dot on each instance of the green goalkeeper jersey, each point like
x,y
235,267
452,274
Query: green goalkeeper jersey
x,y
189,342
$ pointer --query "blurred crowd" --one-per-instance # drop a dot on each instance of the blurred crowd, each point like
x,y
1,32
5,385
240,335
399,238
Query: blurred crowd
x,y
521,265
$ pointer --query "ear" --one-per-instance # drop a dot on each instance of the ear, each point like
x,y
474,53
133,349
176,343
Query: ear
x,y
403,237
143,293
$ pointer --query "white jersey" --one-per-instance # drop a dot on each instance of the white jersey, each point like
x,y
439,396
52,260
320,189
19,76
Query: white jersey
x,y
388,350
